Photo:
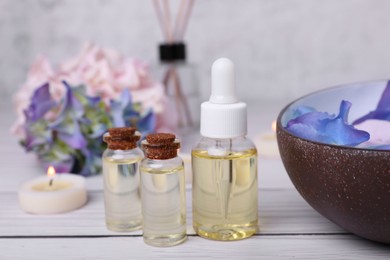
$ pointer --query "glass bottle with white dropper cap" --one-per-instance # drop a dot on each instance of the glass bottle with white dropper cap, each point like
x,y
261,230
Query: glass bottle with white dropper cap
x,y
224,164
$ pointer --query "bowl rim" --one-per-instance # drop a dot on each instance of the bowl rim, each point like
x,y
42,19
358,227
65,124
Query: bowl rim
x,y
280,127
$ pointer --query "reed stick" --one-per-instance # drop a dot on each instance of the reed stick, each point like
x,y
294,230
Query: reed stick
x,y
175,33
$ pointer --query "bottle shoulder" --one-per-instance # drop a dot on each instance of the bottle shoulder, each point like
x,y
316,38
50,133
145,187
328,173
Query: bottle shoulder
x,y
118,155
241,143
173,164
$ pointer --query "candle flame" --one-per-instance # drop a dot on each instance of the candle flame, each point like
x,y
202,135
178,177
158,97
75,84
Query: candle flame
x,y
51,172
273,126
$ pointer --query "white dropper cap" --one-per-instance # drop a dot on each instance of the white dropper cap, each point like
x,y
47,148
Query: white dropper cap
x,y
223,116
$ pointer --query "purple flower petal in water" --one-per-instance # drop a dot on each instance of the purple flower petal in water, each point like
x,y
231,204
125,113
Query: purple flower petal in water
x,y
298,111
340,132
325,128
382,111
312,119
40,104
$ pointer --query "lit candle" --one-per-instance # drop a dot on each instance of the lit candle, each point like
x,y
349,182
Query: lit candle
x,y
266,143
53,193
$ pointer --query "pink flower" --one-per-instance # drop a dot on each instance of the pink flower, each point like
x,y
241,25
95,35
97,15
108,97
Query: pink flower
x,y
104,72
40,72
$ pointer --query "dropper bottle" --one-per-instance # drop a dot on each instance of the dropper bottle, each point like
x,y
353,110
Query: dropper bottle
x,y
224,164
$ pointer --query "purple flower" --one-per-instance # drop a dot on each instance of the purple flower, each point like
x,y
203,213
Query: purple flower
x,y
298,111
147,123
124,113
60,166
41,103
38,136
92,161
36,132
66,126
70,138
63,124
122,109
325,128
382,111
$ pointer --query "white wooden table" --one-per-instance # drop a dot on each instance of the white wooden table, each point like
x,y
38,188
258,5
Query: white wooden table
x,y
290,228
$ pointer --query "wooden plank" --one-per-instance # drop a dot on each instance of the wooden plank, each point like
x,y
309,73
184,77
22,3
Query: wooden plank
x,y
268,247
18,167
281,212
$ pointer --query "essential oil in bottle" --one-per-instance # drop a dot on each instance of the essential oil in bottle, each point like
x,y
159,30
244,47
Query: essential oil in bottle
x,y
121,179
224,164
163,191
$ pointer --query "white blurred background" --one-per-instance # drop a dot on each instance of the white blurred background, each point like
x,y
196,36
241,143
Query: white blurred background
x,y
282,48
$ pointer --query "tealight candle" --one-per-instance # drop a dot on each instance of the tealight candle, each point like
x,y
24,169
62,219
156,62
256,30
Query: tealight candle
x,y
53,193
266,143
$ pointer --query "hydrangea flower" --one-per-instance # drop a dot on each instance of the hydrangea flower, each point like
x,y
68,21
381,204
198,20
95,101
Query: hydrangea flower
x,y
72,140
62,112
325,128
104,73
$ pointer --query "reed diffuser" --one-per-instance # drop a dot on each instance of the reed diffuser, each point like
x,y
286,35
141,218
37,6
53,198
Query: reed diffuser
x,y
177,75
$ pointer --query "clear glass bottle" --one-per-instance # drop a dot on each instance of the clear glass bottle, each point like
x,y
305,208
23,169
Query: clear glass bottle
x,y
121,179
163,191
224,164
225,188
181,87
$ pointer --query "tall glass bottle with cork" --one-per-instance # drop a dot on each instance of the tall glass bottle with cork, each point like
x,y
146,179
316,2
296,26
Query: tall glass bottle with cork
x,y
224,164
121,179
163,191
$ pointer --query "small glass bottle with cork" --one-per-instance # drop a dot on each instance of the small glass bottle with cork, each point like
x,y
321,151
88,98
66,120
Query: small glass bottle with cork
x,y
163,191
121,179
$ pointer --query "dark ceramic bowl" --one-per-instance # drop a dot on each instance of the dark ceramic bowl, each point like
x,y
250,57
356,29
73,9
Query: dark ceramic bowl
x,y
349,186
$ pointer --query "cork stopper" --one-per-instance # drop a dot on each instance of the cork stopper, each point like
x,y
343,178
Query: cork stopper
x,y
121,138
161,146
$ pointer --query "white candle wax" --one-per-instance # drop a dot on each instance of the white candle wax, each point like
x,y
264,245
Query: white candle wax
x,y
66,192
266,143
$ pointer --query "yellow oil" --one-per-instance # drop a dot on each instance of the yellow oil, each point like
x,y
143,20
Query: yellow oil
x,y
122,198
225,194
163,206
